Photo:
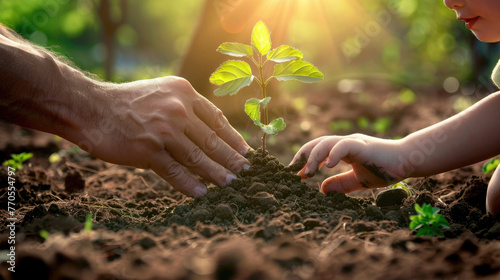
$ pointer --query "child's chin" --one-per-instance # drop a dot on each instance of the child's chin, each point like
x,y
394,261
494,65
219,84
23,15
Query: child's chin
x,y
487,38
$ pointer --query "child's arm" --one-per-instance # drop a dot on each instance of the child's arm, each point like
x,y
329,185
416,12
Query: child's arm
x,y
466,138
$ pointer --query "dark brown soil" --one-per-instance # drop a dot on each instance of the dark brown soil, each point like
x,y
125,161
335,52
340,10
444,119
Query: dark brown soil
x,y
268,224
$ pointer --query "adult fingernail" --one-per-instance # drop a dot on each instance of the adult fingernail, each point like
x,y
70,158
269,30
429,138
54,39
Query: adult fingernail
x,y
246,166
229,178
245,150
199,191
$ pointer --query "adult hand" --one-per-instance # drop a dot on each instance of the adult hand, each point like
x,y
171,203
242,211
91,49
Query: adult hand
x,y
165,125
375,162
162,124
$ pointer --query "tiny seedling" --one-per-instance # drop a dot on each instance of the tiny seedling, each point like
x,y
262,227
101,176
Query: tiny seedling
x,y
491,165
17,160
56,157
44,234
404,186
428,221
234,75
88,223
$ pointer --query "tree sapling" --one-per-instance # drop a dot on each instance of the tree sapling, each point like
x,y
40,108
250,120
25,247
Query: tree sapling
x,y
233,75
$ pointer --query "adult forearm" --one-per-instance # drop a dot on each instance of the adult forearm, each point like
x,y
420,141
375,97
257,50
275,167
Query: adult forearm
x,y
39,91
466,138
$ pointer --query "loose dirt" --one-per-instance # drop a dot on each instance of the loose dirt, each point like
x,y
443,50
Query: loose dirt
x,y
267,224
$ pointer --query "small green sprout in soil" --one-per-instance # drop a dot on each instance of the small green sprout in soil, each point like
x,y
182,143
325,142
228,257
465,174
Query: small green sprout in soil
x,y
233,75
56,157
88,223
491,165
17,160
402,185
428,221
44,234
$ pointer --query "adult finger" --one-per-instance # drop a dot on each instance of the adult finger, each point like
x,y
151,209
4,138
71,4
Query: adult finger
x,y
214,147
184,151
215,120
345,183
173,172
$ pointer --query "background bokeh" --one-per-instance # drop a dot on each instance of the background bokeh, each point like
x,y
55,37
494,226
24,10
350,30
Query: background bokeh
x,y
410,43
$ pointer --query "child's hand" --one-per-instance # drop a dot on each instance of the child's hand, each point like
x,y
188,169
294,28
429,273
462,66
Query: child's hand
x,y
375,162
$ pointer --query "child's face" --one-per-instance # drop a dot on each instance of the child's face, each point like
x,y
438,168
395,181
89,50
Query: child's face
x,y
482,17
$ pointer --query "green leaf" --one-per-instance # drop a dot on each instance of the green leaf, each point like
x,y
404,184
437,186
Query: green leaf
x,y
25,156
491,165
402,185
278,124
428,222
415,223
235,49
12,163
284,53
88,223
441,221
252,107
44,234
261,38
297,70
231,76
273,127
419,210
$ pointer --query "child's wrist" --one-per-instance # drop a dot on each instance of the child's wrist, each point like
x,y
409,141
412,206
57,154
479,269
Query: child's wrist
x,y
408,158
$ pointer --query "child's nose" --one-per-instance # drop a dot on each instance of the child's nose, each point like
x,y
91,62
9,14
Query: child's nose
x,y
454,4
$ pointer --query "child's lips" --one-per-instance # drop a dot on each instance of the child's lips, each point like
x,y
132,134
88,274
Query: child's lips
x,y
469,22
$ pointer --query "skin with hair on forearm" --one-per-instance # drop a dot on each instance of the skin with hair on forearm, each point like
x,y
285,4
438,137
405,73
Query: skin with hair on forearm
x,y
162,124
30,77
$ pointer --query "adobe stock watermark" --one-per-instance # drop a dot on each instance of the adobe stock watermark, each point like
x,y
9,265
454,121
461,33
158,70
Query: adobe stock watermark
x,y
424,148
479,91
364,35
106,126
31,25
10,257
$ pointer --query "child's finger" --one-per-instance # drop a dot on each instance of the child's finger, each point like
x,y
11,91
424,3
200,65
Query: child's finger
x,y
302,173
346,149
306,149
345,183
320,153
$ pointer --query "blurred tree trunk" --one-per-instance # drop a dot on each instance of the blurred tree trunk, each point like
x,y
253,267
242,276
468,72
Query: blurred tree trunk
x,y
110,25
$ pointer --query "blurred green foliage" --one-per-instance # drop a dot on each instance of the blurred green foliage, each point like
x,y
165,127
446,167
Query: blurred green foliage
x,y
149,44
411,41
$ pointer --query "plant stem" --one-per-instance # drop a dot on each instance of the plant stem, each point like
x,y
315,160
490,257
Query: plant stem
x,y
263,87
